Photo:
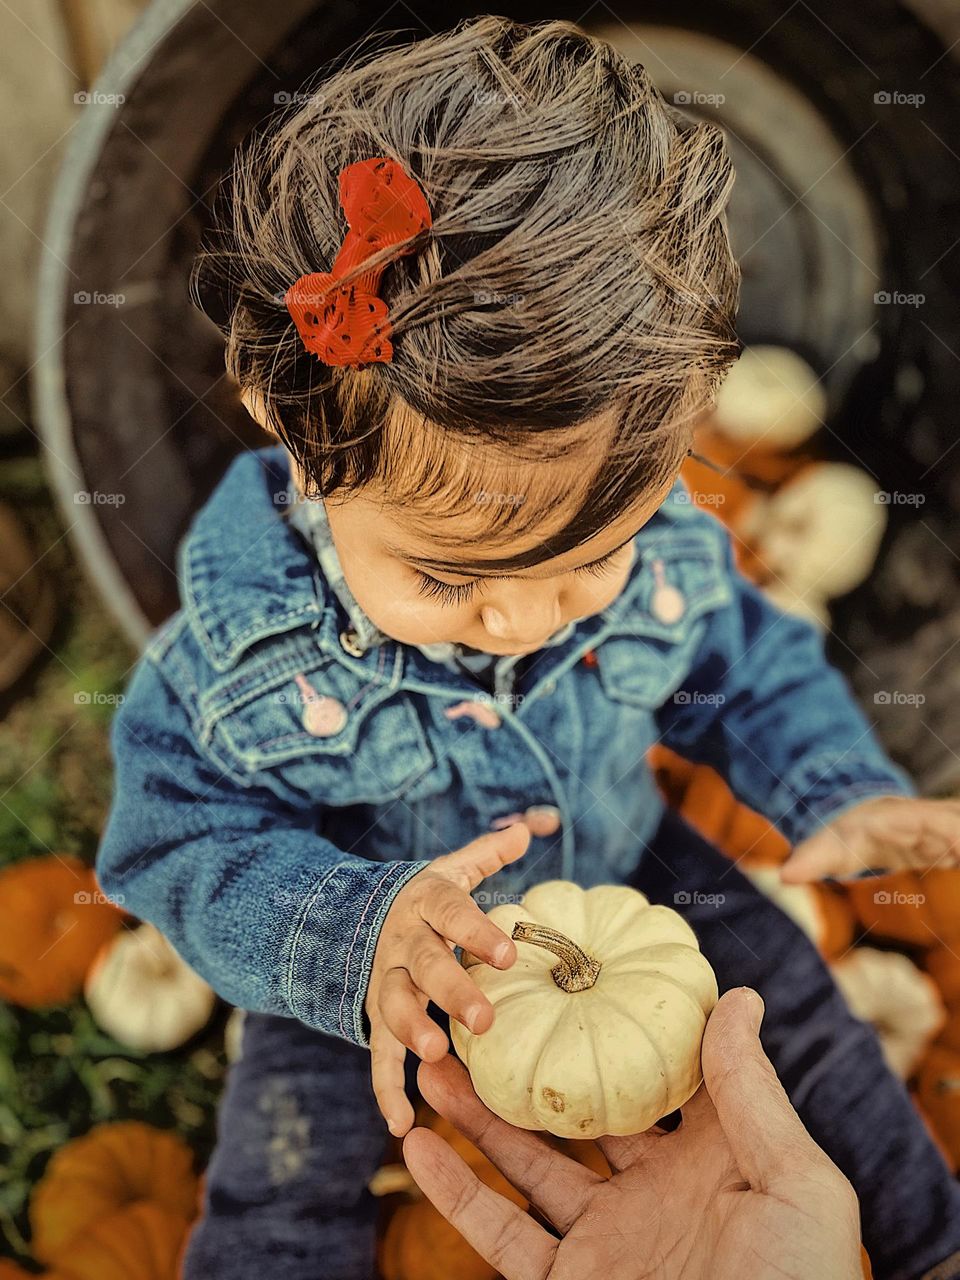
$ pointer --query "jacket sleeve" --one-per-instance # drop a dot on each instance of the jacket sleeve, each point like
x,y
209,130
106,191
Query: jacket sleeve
x,y
271,914
764,707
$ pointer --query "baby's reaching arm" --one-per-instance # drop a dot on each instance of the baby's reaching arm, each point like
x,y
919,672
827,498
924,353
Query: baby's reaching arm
x,y
781,724
274,916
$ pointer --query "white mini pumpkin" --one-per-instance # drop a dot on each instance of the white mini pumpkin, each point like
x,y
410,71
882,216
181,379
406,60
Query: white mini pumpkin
x,y
818,536
143,994
903,1003
771,396
599,1022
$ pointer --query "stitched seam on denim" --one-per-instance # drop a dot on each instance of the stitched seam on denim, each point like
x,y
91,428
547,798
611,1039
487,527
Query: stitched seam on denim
x,y
353,942
252,683
274,670
165,637
338,746
628,694
226,657
381,662
298,933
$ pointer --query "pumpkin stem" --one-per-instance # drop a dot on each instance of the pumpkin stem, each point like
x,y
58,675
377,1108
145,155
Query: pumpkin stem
x,y
576,971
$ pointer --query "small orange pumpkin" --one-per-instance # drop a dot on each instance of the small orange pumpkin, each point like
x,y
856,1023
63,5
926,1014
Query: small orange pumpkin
x,y
896,907
53,921
141,1242
938,1091
106,1170
943,965
943,903
418,1243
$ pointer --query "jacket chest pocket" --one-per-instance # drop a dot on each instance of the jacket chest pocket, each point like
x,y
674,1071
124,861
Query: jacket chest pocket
x,y
646,663
318,732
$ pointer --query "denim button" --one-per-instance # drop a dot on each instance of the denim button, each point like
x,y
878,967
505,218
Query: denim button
x,y
323,716
667,604
349,642
549,686
542,819
505,820
481,712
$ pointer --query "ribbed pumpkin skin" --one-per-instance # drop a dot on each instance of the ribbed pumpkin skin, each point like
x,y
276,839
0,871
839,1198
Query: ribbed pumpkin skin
x,y
141,1242
108,1169
612,1059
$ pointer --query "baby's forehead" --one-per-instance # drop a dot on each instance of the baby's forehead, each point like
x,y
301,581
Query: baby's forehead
x,y
503,531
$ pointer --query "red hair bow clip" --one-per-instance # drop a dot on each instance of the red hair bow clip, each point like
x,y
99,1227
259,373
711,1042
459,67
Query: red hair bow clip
x,y
348,324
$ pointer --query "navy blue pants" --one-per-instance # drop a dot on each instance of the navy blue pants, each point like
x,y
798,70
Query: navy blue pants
x,y
300,1133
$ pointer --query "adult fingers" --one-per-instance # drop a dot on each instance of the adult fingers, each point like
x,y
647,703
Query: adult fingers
x,y
831,853
499,1230
765,1134
557,1185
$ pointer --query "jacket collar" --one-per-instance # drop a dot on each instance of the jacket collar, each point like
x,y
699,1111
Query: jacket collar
x,y
245,579
244,573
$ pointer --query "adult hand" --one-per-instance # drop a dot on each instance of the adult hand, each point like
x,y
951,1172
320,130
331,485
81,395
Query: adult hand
x,y
739,1190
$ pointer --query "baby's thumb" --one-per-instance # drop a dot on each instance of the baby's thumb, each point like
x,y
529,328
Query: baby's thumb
x,y
819,856
484,856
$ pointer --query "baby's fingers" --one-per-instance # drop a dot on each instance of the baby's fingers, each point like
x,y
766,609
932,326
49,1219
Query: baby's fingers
x,y
836,853
483,856
387,1056
402,1007
456,917
436,973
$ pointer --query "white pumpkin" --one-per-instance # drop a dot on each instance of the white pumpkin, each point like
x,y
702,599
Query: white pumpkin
x,y
818,536
771,396
798,901
904,1004
599,1022
143,994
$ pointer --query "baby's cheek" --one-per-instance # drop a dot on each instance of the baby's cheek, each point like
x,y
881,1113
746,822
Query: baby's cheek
x,y
403,614
588,596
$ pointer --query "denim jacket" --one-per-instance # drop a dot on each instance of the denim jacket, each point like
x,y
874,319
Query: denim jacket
x,y
277,784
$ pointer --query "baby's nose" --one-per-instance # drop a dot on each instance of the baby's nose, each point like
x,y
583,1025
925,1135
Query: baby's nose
x,y
524,626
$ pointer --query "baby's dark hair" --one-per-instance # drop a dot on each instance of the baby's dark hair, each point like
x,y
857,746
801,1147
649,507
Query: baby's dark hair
x,y
578,270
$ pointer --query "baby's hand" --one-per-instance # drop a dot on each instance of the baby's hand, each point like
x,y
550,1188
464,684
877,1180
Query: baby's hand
x,y
413,963
892,833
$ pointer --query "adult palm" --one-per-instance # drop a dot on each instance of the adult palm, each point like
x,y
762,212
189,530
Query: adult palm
x,y
738,1192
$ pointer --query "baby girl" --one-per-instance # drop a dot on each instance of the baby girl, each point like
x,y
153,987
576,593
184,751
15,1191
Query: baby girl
x,y
479,289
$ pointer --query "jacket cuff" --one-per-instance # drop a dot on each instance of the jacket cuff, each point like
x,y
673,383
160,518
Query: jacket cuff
x,y
334,940
826,786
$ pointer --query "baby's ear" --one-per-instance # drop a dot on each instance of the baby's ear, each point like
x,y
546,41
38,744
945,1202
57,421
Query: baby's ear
x,y
253,402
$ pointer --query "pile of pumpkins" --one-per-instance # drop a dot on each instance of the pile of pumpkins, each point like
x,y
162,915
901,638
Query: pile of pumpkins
x,y
806,531
114,1204
118,1201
